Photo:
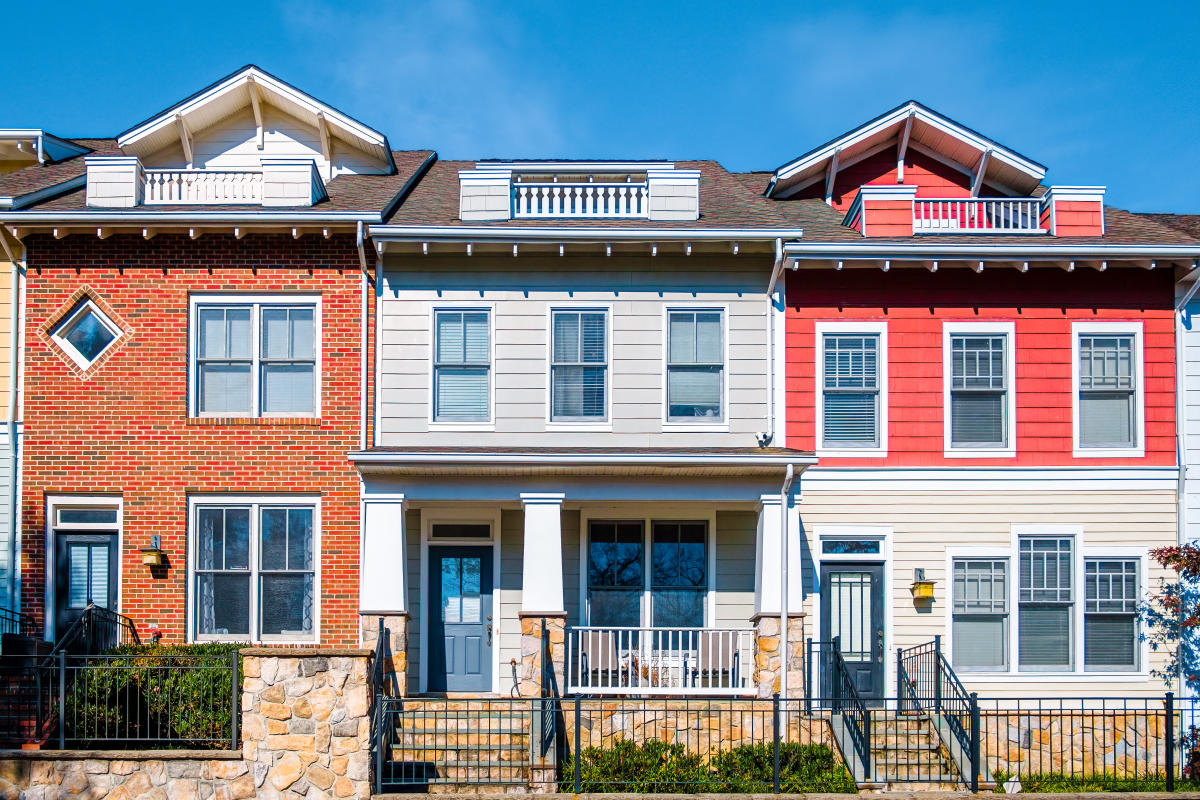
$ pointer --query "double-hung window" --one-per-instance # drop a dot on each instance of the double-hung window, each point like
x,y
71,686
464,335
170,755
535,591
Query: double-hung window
x,y
695,365
255,357
679,574
979,388
616,570
980,614
1107,373
851,378
254,571
578,366
1110,614
462,365
1045,598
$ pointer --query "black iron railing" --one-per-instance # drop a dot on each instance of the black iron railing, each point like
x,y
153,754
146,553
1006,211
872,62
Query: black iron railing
x,y
16,623
926,683
846,703
97,630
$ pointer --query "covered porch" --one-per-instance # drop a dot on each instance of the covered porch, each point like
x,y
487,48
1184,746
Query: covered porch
x,y
585,572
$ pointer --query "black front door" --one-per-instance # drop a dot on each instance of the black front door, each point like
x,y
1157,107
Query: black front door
x,y
85,573
460,619
852,612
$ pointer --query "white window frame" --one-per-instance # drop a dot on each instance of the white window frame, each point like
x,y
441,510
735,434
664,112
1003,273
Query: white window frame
x,y
1010,571
598,425
1116,553
57,335
255,503
1082,550
1004,328
717,425
54,503
850,328
1116,328
662,512
432,422
256,302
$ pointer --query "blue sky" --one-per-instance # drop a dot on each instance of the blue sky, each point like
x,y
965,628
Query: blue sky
x,y
1100,92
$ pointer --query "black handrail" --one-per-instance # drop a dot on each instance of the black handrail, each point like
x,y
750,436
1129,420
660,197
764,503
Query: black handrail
x,y
15,622
849,705
96,630
926,682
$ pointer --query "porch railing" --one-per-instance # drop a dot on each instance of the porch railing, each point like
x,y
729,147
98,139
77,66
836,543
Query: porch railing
x,y
991,215
16,623
581,200
203,186
850,708
660,661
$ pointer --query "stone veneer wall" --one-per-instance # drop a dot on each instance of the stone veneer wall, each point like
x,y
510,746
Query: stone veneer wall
x,y
767,655
397,645
530,673
125,775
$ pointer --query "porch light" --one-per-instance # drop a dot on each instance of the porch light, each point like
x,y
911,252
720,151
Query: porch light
x,y
921,589
153,555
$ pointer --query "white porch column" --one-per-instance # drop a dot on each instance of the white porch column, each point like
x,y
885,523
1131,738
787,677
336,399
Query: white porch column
x,y
383,572
541,573
768,558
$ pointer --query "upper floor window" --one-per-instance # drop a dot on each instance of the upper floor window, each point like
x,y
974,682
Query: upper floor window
x,y
255,357
980,403
462,365
852,389
579,366
1108,416
85,334
695,365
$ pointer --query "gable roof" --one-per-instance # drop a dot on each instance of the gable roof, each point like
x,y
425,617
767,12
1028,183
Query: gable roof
x,y
920,127
247,88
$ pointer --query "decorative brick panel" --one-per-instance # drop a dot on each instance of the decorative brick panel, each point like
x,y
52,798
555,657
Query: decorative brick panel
x,y
125,428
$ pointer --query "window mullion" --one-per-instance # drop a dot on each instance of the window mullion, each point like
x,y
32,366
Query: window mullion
x,y
255,627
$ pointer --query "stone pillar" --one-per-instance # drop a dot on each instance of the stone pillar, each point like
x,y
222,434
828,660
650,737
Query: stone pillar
x,y
306,726
529,671
768,660
395,650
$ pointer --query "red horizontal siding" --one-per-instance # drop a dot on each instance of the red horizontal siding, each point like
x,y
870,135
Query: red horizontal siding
x,y
1042,306
931,177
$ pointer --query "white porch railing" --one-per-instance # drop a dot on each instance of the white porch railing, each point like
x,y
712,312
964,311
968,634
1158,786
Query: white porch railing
x,y
202,187
582,200
660,661
991,215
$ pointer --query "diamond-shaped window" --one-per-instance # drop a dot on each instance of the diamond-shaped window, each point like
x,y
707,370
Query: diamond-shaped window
x,y
85,334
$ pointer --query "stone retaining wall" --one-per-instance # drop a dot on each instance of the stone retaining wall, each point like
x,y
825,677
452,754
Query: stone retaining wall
x,y
125,775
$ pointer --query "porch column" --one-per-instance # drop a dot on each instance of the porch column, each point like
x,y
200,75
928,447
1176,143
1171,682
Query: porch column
x,y
383,584
542,600
770,648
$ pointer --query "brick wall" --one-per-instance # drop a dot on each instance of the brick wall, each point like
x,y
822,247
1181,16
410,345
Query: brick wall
x,y
123,427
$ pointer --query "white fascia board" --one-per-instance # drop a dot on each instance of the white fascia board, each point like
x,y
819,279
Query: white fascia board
x,y
45,142
574,166
184,217
237,81
584,459
871,479
968,251
405,233
848,140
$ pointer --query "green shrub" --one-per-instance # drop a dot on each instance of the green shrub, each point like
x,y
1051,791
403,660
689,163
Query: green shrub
x,y
1056,782
659,767
155,694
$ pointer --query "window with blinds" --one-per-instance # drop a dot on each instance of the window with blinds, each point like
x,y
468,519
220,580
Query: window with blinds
x,y
1045,600
579,366
462,366
980,624
1110,614
695,366
1106,391
256,359
850,391
978,391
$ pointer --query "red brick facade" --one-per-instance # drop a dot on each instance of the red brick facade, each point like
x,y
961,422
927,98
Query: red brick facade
x,y
123,427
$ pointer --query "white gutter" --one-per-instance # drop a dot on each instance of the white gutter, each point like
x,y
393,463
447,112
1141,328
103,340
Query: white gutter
x,y
465,233
966,250
182,217
784,490
592,459
14,510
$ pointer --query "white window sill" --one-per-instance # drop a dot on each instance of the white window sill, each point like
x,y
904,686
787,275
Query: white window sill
x,y
462,426
694,427
596,427
310,642
981,452
866,452
1052,677
1108,452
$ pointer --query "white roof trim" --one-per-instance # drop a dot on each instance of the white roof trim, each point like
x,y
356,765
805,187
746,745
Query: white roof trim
x,y
574,166
49,147
464,233
967,251
589,459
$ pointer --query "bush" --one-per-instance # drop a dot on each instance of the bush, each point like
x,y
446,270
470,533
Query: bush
x,y
1056,782
659,767
165,694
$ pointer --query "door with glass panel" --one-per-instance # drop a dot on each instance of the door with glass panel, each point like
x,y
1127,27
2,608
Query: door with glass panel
x,y
86,567
461,630
852,613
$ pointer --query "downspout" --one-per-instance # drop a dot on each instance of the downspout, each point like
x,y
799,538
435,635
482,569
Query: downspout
x,y
784,490
362,361
14,510
769,438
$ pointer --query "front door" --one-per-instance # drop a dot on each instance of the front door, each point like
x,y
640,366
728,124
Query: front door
x,y
852,612
85,573
460,619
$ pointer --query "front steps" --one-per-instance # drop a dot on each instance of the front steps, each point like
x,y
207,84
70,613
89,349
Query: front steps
x,y
906,749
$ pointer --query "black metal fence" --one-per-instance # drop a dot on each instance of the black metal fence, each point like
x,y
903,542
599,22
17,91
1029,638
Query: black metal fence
x,y
121,701
17,624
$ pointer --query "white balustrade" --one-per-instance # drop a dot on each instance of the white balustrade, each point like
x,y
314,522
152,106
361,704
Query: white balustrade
x,y
202,187
581,200
977,215
661,661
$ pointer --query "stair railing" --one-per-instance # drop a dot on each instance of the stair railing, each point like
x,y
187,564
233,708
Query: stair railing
x,y
846,703
925,682
96,630
16,623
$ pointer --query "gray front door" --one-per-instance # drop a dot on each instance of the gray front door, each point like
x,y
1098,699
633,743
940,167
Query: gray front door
x,y
85,573
460,619
852,612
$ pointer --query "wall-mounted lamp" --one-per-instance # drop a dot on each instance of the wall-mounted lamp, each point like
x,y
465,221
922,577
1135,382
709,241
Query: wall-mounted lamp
x,y
153,556
921,589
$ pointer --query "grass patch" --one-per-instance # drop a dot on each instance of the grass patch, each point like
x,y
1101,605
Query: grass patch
x,y
1055,782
